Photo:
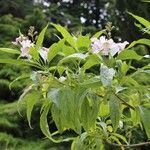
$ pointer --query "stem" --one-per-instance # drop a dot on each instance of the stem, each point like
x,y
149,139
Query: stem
x,y
124,102
130,145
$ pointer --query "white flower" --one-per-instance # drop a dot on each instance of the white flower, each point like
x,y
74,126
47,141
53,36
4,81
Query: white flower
x,y
102,45
122,45
26,44
44,53
106,46
25,52
17,40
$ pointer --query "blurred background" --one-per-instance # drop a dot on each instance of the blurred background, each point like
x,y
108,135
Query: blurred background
x,y
86,16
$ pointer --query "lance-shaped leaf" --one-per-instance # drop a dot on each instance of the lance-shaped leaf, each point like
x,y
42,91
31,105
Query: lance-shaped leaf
x,y
91,61
54,49
75,56
141,41
115,113
19,62
40,39
44,123
67,36
31,99
141,20
9,50
106,75
83,43
64,109
129,54
145,117
89,112
34,53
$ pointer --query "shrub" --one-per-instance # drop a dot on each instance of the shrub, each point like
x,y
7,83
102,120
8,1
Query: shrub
x,y
98,106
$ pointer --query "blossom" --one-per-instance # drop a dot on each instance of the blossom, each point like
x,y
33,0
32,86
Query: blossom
x,y
122,45
44,53
106,46
26,44
17,40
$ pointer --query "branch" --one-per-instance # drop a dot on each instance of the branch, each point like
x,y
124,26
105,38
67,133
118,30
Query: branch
x,y
124,102
131,145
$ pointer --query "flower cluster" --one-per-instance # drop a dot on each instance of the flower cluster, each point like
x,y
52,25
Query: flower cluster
x,y
26,44
106,46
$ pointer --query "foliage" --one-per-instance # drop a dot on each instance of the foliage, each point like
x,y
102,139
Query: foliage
x,y
96,105
14,134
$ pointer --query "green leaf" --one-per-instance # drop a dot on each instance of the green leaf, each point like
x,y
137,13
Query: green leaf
x,y
120,137
40,39
141,41
55,49
145,117
65,106
129,80
91,61
124,68
9,50
31,99
57,117
75,56
60,69
19,62
89,112
34,53
83,43
115,113
129,54
141,20
106,75
23,76
44,123
104,109
67,36
135,116
68,50
93,82
53,94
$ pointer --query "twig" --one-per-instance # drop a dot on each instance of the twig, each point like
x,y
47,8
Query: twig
x,y
124,102
130,145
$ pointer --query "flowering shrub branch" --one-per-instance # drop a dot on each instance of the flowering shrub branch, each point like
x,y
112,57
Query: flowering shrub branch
x,y
88,85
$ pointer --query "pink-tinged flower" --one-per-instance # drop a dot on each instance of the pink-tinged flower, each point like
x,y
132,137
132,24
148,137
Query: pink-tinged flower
x,y
102,45
106,46
44,53
25,52
17,40
123,45
26,44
